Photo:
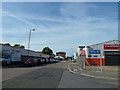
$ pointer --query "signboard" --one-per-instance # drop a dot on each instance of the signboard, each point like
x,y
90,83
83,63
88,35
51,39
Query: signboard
x,y
94,51
82,53
111,46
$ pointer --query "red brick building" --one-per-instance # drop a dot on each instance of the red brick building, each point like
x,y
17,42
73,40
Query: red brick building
x,y
62,54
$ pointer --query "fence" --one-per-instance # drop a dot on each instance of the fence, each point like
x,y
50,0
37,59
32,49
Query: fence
x,y
82,62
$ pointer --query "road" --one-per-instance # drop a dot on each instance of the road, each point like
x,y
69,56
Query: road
x,y
53,75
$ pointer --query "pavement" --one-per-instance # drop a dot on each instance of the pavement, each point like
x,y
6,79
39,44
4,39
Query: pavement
x,y
74,68
70,80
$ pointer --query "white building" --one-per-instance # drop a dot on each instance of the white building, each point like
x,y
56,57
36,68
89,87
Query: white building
x,y
17,54
109,53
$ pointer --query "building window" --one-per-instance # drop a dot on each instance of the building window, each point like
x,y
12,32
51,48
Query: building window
x,y
95,56
89,55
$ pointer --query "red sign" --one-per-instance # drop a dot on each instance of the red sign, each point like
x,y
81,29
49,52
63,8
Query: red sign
x,y
82,53
111,46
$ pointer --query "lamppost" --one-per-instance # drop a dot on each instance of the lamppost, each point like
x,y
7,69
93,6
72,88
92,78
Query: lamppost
x,y
72,53
29,39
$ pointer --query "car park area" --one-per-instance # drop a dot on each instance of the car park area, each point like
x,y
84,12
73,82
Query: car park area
x,y
29,62
11,71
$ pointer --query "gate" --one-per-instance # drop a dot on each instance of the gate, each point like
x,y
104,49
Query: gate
x,y
81,61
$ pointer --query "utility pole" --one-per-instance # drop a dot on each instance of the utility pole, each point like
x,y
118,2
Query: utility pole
x,y
72,53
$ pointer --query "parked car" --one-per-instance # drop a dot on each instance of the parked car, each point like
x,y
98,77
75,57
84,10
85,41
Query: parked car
x,y
54,60
73,60
51,60
59,58
31,62
5,61
47,60
40,60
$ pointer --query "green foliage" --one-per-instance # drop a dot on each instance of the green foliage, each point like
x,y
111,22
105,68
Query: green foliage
x,y
53,55
47,50
7,44
22,46
19,46
16,45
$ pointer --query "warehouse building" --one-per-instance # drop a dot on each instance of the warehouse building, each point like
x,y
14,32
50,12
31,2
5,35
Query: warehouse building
x,y
107,53
62,54
18,54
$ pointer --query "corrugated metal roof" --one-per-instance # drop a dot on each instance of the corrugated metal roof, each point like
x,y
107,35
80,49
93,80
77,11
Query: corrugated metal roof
x,y
118,41
19,48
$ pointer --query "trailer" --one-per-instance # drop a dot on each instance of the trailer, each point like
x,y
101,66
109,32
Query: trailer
x,y
13,55
16,54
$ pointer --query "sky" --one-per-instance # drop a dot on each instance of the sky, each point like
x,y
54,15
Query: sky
x,y
62,26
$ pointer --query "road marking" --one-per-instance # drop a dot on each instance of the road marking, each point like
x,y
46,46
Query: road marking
x,y
75,69
87,75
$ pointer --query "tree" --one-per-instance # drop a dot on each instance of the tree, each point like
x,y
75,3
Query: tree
x,y
53,55
47,50
22,46
8,44
19,46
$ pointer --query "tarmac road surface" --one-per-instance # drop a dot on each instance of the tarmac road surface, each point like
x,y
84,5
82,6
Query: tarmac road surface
x,y
53,75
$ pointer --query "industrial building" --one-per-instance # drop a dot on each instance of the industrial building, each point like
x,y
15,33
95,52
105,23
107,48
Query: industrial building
x,y
18,54
62,54
106,53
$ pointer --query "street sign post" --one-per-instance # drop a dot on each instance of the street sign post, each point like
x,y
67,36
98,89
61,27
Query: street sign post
x,y
101,62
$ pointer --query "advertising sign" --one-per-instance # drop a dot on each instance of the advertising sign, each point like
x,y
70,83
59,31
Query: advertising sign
x,y
94,51
111,46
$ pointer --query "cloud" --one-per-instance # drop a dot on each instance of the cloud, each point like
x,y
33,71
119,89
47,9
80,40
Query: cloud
x,y
60,0
75,10
75,26
25,22
6,13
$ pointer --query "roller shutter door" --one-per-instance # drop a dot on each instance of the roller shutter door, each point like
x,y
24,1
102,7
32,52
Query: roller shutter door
x,y
112,59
